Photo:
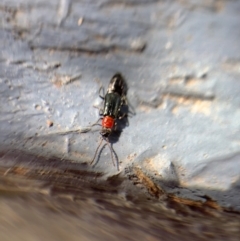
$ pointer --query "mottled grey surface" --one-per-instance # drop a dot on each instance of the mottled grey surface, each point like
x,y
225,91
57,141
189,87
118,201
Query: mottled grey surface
x,y
181,60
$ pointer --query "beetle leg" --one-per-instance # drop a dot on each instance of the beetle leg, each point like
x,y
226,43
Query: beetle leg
x,y
124,100
101,96
96,123
100,110
121,116
115,126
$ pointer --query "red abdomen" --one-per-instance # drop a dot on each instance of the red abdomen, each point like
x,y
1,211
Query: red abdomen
x,y
108,122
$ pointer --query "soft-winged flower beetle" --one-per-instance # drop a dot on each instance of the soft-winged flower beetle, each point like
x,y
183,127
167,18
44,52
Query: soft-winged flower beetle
x,y
114,99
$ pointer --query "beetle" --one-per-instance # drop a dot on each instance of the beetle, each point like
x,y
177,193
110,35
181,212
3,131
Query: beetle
x,y
114,99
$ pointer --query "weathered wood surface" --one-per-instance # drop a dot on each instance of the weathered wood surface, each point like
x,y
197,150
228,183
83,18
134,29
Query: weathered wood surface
x,y
181,60
54,200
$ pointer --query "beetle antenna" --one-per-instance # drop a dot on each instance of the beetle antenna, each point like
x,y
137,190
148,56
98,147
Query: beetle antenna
x,y
111,150
96,151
